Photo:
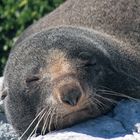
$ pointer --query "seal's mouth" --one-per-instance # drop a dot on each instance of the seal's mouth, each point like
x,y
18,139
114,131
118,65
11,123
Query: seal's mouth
x,y
64,121
75,112
63,115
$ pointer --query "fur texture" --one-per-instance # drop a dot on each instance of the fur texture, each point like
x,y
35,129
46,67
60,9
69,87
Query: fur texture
x,y
46,62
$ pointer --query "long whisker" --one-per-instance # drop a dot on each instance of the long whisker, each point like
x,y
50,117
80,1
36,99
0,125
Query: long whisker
x,y
51,118
114,93
56,120
91,101
40,113
61,119
107,99
103,88
96,102
101,104
35,129
46,121
47,112
129,75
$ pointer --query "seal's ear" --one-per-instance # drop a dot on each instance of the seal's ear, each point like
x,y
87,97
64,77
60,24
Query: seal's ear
x,y
3,91
3,94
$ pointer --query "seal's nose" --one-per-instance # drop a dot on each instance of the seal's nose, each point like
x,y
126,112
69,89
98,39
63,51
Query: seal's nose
x,y
70,96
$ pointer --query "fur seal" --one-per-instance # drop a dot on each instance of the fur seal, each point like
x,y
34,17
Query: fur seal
x,y
73,64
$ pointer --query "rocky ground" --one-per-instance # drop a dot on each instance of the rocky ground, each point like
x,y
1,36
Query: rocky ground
x,y
123,123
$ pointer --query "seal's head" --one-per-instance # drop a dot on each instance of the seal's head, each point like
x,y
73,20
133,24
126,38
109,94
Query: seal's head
x,y
53,80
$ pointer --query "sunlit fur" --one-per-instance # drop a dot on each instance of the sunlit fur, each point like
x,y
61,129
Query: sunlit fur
x,y
46,62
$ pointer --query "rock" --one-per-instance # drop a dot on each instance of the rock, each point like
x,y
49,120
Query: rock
x,y
7,132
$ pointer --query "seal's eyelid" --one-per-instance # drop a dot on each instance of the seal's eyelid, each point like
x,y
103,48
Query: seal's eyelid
x,y
85,55
87,60
90,64
33,78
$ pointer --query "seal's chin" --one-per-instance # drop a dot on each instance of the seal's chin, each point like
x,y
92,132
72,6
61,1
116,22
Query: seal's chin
x,y
61,121
76,117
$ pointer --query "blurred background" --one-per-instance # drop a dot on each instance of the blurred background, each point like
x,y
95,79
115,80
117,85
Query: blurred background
x,y
15,16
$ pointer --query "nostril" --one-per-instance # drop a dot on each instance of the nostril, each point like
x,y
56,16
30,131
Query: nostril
x,y
71,97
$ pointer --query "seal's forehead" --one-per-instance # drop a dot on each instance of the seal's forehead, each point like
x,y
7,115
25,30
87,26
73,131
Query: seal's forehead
x,y
56,54
57,63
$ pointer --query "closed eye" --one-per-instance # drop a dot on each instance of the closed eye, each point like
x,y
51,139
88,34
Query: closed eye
x,y
32,79
90,65
86,64
86,59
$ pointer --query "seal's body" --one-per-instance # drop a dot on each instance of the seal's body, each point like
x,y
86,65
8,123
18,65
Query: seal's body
x,y
120,19
73,64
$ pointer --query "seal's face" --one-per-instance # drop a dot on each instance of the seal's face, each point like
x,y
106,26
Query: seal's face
x,y
67,87
55,79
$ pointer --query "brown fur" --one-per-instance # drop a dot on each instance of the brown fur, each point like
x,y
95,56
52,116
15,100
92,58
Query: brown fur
x,y
118,18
